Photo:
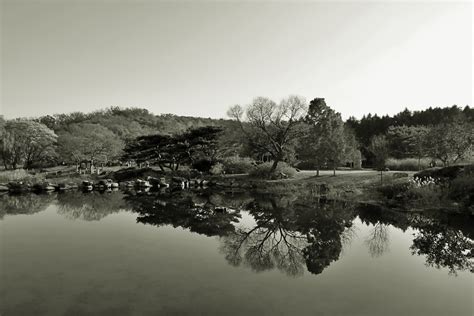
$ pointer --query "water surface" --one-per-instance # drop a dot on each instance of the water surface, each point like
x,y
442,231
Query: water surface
x,y
211,253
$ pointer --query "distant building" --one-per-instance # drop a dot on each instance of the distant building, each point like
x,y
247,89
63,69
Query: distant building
x,y
87,167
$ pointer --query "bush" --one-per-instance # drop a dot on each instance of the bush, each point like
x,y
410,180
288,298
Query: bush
x,y
236,164
412,194
391,191
307,165
407,164
135,173
425,196
283,170
442,174
20,175
203,165
462,190
217,169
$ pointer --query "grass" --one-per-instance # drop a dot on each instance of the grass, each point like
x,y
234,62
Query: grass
x,y
347,185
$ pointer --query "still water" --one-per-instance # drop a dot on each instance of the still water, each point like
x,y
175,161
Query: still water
x,y
205,253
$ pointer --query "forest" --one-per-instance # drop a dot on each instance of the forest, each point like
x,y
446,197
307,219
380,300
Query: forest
x,y
264,137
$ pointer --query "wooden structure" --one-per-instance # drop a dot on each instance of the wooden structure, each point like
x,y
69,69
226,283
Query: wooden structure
x,y
87,167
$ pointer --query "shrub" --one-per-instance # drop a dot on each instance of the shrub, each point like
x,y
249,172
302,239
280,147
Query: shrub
x,y
283,170
425,196
236,164
442,174
462,190
307,165
394,190
134,173
19,175
203,165
398,175
217,169
407,164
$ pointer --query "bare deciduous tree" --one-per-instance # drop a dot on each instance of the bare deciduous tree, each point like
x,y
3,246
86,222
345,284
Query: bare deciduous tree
x,y
270,127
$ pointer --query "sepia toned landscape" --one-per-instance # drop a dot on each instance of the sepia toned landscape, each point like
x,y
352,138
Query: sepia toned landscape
x,y
264,175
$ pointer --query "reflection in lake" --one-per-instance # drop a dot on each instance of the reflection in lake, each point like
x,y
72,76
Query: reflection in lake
x,y
24,204
378,240
198,213
285,232
444,241
175,252
443,246
288,236
90,206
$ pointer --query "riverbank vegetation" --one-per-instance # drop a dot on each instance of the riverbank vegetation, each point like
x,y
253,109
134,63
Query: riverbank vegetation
x,y
265,141
306,136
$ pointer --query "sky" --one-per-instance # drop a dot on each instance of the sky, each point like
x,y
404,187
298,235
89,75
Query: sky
x,y
198,58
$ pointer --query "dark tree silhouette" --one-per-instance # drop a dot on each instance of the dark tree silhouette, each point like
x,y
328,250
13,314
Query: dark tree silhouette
x,y
173,151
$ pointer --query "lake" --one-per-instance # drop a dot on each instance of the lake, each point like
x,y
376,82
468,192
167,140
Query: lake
x,y
233,253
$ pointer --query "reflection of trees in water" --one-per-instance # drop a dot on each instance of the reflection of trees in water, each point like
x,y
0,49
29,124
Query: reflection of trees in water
x,y
444,240
444,247
289,235
325,235
24,204
92,206
196,212
349,234
378,240
271,243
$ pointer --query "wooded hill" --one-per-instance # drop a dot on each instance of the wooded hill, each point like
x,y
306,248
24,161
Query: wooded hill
x,y
102,135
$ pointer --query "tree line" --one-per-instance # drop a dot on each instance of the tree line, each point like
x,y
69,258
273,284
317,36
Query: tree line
x,y
309,135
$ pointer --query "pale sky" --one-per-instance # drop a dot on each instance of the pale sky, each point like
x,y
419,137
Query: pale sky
x,y
199,58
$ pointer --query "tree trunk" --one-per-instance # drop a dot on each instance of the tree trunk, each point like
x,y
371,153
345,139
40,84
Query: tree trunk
x,y
317,171
274,166
381,174
334,170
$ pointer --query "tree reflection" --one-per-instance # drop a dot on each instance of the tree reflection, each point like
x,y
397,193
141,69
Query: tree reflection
x,y
92,206
378,240
198,213
271,243
444,247
288,235
326,233
24,204
445,241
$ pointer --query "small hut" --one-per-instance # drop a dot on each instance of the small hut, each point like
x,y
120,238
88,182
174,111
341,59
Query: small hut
x,y
87,167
